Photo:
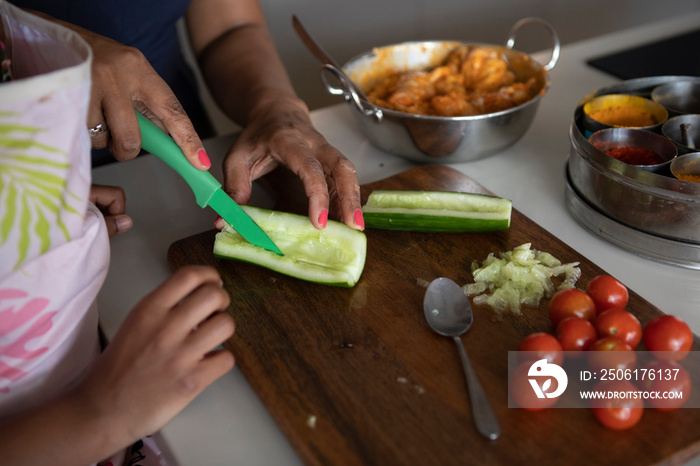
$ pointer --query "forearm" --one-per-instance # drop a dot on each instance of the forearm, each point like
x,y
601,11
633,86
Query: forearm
x,y
64,431
244,73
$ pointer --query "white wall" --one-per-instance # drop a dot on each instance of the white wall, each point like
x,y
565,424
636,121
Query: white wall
x,y
346,28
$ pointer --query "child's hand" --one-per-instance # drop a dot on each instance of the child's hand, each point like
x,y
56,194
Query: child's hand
x,y
112,203
161,358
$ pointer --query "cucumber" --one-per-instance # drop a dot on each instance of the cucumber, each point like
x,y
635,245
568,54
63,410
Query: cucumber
x,y
332,256
436,211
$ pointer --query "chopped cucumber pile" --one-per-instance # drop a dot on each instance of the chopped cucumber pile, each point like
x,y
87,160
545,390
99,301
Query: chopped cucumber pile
x,y
332,256
436,211
520,276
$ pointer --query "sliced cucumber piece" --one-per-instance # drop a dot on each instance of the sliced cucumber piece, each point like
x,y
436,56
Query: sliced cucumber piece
x,y
332,256
436,211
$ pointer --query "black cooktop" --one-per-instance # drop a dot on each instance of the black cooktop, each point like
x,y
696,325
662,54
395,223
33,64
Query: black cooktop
x,y
675,56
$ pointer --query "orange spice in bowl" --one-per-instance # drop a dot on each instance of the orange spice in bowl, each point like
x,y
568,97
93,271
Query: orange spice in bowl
x,y
623,111
687,167
689,177
619,115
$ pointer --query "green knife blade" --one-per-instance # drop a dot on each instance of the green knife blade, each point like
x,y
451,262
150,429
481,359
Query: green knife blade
x,y
207,189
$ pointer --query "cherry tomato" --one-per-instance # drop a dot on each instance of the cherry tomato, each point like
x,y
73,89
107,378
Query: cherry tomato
x,y
607,292
540,345
611,354
668,337
521,391
575,334
571,302
619,323
618,413
665,377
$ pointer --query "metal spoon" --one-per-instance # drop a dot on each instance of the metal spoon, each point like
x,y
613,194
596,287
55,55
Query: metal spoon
x,y
449,313
687,135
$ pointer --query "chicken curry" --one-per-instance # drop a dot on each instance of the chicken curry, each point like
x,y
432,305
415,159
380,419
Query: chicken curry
x,y
472,80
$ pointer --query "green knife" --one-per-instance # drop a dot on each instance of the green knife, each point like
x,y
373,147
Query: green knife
x,y
207,189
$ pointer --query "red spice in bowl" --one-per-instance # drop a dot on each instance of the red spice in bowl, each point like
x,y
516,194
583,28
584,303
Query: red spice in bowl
x,y
635,155
637,147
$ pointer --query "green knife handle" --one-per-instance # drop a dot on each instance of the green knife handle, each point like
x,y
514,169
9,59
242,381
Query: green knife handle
x,y
155,141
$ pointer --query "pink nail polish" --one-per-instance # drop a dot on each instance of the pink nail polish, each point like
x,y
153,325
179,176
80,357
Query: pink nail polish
x,y
204,158
323,218
359,219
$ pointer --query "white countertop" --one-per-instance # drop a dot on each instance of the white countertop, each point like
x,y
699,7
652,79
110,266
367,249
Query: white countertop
x,y
227,423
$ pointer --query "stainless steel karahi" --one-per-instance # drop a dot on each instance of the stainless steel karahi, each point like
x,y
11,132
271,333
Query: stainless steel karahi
x,y
430,139
660,214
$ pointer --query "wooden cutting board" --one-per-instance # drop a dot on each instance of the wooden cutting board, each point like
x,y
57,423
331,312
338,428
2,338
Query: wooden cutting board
x,y
356,376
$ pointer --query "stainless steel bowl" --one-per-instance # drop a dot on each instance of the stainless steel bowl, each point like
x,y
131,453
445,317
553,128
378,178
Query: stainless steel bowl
x,y
687,166
662,206
679,96
672,130
622,111
615,138
430,139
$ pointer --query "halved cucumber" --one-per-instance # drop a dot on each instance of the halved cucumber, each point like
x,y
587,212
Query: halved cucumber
x,y
436,211
332,256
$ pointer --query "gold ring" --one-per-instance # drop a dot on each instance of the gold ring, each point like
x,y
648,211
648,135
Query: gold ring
x,y
98,129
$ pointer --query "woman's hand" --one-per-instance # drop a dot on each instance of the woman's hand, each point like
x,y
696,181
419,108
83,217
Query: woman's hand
x,y
123,80
283,134
240,64
162,357
111,201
